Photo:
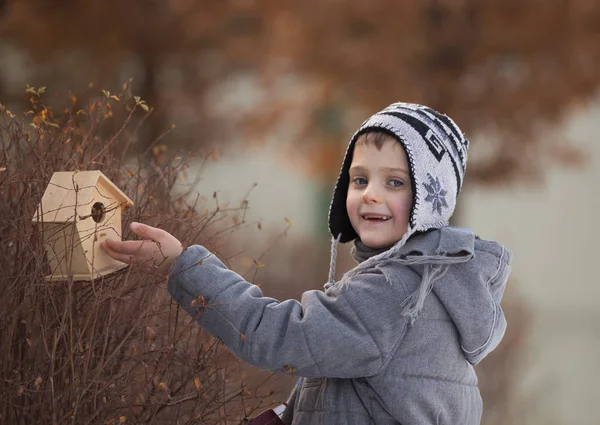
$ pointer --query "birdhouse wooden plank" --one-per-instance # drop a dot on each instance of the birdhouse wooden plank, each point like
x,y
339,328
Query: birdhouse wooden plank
x,y
78,211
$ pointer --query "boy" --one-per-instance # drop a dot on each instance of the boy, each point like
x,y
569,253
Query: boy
x,y
394,341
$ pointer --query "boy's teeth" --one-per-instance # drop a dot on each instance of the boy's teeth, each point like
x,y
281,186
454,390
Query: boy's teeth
x,y
379,218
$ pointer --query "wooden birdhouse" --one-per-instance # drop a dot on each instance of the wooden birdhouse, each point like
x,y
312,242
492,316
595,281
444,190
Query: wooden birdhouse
x,y
78,211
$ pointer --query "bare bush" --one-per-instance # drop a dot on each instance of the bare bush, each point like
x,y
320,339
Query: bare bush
x,y
116,349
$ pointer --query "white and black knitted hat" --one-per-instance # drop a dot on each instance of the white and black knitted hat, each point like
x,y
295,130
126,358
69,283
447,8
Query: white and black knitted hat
x,y
437,155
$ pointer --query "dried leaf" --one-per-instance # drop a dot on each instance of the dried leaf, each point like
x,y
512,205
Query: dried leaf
x,y
149,333
197,383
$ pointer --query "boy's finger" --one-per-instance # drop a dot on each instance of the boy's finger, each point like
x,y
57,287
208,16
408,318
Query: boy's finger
x,y
124,258
146,231
126,247
116,246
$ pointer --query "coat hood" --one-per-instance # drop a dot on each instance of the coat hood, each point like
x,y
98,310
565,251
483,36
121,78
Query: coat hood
x,y
470,290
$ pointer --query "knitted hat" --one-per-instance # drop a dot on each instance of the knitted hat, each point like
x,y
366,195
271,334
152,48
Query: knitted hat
x,y
437,155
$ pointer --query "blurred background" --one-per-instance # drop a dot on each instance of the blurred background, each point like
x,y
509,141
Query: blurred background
x,y
274,90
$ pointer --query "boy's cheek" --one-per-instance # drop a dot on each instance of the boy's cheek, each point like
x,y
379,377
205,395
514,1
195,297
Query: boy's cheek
x,y
353,219
351,209
352,199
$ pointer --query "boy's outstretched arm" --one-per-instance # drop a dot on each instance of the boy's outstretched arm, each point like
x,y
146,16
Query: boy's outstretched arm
x,y
346,332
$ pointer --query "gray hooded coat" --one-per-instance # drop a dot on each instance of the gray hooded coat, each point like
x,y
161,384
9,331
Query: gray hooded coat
x,y
361,359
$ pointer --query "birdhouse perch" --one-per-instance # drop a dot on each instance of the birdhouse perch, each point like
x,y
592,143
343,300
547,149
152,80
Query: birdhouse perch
x,y
78,211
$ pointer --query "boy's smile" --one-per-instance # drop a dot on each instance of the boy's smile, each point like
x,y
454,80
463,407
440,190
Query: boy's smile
x,y
379,198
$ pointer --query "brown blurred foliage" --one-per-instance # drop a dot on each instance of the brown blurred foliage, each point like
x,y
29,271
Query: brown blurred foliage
x,y
502,66
507,67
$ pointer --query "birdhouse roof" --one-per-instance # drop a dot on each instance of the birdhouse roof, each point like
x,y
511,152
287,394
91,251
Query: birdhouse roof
x,y
73,191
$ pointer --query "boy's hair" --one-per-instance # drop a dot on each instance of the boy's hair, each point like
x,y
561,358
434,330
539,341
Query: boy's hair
x,y
374,137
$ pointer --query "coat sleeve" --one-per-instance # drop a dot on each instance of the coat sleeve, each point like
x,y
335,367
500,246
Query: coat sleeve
x,y
349,331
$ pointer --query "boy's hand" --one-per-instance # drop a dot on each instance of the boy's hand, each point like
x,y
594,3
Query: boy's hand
x,y
157,250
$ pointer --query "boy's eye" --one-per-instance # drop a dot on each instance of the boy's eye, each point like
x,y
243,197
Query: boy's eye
x,y
359,180
396,183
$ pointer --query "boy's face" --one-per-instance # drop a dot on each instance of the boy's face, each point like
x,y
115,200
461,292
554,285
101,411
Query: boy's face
x,y
379,198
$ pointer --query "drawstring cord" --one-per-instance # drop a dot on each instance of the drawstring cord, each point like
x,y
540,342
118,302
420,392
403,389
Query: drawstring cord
x,y
332,262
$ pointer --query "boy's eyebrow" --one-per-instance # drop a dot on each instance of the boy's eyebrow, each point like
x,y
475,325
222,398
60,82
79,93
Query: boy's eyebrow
x,y
395,169
360,168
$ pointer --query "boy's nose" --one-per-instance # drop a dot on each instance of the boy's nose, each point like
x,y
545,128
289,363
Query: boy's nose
x,y
371,195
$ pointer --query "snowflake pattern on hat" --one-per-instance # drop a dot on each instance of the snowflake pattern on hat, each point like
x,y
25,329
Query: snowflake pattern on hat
x,y
436,195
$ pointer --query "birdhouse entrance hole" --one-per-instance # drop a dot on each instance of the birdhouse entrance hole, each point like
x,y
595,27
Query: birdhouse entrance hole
x,y
98,212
